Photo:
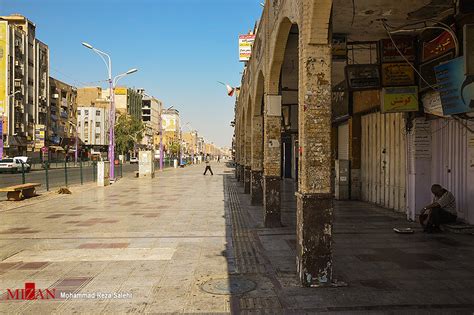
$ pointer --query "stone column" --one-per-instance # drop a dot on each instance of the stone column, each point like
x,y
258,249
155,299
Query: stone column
x,y
272,161
256,173
248,153
314,199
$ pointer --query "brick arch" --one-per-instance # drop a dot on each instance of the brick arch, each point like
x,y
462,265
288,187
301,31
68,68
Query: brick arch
x,y
278,54
318,21
258,95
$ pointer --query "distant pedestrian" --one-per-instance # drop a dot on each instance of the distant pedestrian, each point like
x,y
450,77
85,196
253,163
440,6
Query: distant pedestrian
x,y
208,166
218,159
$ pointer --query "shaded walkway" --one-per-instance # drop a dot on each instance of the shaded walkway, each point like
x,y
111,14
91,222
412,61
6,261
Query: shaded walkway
x,y
384,271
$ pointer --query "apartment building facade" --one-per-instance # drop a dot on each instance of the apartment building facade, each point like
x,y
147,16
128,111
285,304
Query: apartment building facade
x,y
24,85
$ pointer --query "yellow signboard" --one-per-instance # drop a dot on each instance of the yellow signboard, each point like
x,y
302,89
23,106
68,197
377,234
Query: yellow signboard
x,y
120,91
3,67
400,99
396,74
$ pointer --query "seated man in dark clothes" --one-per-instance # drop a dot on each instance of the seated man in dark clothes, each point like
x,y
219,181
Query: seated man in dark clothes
x,y
441,211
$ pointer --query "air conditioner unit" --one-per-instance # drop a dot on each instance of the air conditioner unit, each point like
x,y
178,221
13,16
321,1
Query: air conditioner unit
x,y
55,96
17,43
17,63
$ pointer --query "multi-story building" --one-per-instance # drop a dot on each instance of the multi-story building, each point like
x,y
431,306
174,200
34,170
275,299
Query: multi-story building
x,y
191,142
62,117
151,109
171,127
24,87
93,125
127,101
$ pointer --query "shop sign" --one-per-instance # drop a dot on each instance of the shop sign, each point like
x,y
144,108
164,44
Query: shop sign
x,y
339,47
363,77
365,101
427,71
389,52
437,46
432,103
456,89
400,99
245,46
397,74
39,136
120,91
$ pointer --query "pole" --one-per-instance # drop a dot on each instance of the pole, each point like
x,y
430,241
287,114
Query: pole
x,y
111,130
161,140
46,167
82,176
75,153
1,136
65,172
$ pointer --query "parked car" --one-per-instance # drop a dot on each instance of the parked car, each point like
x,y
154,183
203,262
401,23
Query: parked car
x,y
14,165
133,160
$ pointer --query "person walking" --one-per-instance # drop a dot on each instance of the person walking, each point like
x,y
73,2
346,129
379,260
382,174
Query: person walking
x,y
208,166
218,159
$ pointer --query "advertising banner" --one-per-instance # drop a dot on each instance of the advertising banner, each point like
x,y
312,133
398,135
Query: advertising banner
x,y
397,74
400,99
245,46
437,46
427,71
39,136
389,52
120,91
3,82
432,103
363,77
456,89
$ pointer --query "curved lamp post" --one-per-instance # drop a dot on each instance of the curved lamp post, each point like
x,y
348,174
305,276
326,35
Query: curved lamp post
x,y
112,82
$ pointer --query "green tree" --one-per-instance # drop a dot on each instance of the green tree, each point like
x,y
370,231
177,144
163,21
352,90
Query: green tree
x,y
174,148
128,132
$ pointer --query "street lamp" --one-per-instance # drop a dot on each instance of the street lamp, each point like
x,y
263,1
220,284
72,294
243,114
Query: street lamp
x,y
1,123
112,83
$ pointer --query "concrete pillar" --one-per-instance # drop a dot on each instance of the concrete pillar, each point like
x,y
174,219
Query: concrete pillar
x,y
272,161
256,173
314,198
246,179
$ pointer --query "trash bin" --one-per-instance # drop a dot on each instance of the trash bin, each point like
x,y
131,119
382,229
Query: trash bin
x,y
103,173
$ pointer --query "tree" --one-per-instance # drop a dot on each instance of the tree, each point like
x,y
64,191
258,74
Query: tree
x,y
128,132
174,148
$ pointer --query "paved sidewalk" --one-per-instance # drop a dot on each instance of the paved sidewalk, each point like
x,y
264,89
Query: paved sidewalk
x,y
181,241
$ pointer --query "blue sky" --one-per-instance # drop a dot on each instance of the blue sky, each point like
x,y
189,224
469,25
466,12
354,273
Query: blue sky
x,y
181,47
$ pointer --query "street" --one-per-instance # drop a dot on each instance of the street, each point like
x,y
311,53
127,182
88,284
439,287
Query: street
x,y
188,243
57,177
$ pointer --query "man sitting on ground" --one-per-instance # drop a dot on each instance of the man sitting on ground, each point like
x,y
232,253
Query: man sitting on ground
x,y
441,211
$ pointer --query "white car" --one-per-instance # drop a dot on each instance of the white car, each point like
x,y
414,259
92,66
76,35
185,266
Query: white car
x,y
133,160
14,165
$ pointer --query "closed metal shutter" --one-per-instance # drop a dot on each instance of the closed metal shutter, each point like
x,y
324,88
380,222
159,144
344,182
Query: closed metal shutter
x,y
343,142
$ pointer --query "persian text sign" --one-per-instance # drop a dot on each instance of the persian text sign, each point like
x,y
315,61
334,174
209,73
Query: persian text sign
x,y
437,47
120,91
396,74
389,52
432,103
400,99
245,46
456,89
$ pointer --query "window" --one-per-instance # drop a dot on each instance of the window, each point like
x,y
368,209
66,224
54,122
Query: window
x,y
78,112
97,135
97,124
86,112
86,124
97,112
